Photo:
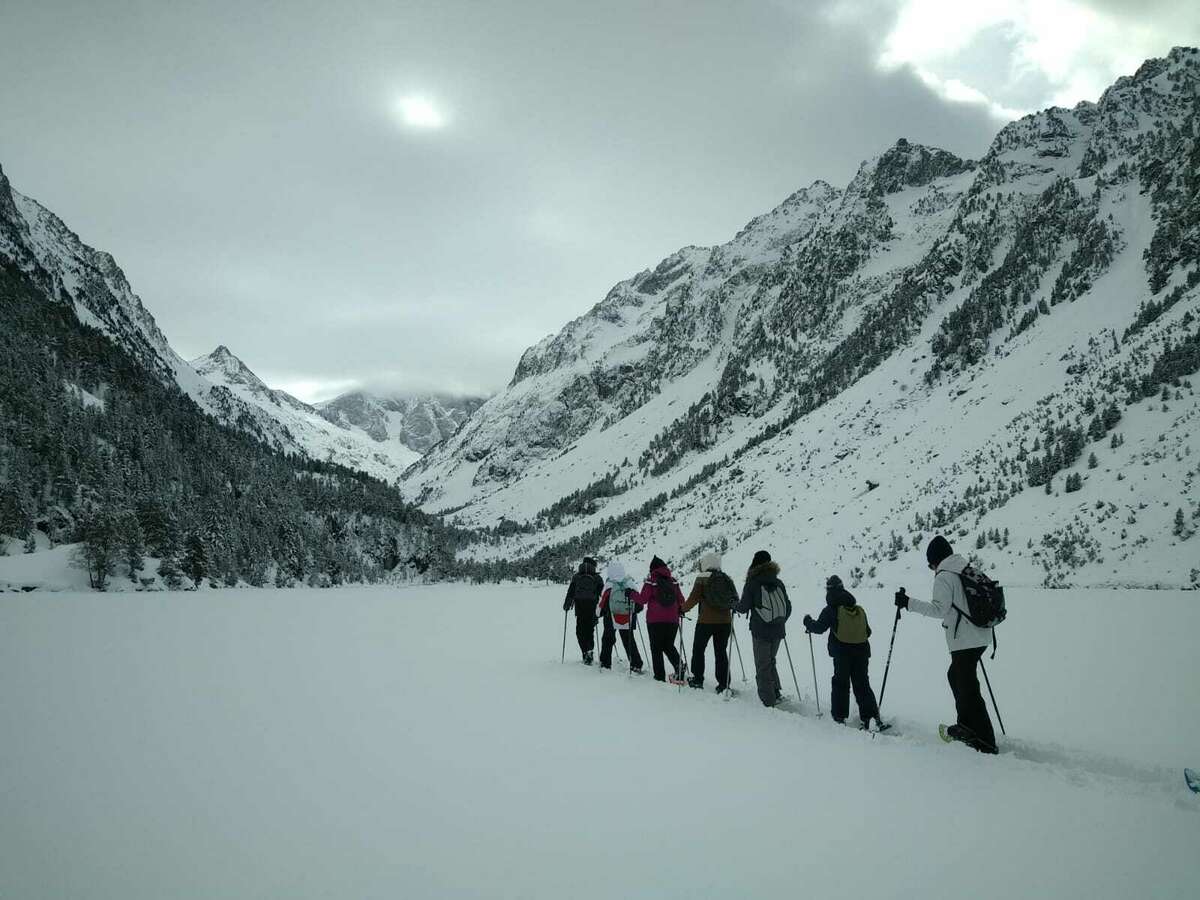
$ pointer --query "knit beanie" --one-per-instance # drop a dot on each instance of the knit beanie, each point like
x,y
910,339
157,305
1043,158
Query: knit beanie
x,y
657,563
833,583
939,548
762,556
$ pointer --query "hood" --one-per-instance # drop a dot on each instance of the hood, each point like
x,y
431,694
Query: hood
x,y
952,563
839,596
710,561
588,566
661,571
764,570
616,571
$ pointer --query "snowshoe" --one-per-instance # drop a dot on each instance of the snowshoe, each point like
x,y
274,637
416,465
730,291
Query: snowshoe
x,y
1192,778
882,726
964,735
636,670
695,682
587,658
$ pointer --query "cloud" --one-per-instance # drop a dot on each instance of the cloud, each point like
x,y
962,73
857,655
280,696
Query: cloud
x,y
252,172
1017,56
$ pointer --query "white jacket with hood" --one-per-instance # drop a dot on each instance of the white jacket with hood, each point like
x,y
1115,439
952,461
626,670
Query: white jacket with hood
x,y
948,594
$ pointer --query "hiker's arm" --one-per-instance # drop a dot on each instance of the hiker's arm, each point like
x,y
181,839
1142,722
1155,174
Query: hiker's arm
x,y
747,602
939,602
696,593
822,622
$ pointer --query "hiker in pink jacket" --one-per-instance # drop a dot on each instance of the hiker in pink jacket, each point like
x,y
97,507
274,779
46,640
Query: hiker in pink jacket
x,y
663,600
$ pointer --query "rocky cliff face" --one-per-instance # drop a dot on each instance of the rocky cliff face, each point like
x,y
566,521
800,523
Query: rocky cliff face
x,y
940,321
417,422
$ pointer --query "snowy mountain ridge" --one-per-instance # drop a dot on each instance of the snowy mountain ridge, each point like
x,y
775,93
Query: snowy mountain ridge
x,y
40,245
961,333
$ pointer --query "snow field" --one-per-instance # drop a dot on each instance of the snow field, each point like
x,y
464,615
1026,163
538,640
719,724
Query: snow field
x,y
426,742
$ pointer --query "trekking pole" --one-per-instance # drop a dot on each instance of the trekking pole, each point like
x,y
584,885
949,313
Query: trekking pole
x,y
564,653
682,653
816,690
793,668
988,682
733,632
883,689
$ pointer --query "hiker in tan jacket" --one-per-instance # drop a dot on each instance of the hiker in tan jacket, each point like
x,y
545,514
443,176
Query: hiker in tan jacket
x,y
715,593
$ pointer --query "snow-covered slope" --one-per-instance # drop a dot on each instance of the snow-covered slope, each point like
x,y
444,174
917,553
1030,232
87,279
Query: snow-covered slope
x,y
951,330
304,426
309,744
39,244
414,421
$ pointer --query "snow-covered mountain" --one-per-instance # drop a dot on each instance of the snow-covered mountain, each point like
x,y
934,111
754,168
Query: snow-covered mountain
x,y
40,245
305,426
960,333
415,422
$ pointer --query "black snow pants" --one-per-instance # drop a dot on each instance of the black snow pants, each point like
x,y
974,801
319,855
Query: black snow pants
x,y
662,641
719,634
585,632
609,639
964,683
850,665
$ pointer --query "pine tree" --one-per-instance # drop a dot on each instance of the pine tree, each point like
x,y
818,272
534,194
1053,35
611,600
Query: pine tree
x,y
133,544
1092,461
1180,530
195,559
99,547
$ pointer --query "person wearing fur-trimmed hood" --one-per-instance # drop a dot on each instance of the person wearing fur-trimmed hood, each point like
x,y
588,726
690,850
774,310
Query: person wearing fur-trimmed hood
x,y
765,599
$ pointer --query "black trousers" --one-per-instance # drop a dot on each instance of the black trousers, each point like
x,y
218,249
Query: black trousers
x,y
585,632
964,684
850,670
719,634
662,641
609,639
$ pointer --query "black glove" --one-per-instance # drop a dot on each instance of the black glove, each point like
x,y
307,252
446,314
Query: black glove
x,y
629,593
901,599
567,604
808,624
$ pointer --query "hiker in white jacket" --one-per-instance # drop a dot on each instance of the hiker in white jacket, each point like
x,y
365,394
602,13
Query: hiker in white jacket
x,y
965,641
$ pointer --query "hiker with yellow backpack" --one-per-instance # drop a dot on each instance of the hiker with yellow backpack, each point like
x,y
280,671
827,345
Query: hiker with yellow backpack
x,y
850,649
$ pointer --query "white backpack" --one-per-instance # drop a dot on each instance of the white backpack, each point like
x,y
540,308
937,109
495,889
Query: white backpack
x,y
772,604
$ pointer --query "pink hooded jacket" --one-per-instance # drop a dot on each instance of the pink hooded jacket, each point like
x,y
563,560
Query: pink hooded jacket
x,y
648,597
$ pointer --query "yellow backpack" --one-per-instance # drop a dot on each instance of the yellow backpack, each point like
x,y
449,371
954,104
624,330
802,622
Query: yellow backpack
x,y
851,625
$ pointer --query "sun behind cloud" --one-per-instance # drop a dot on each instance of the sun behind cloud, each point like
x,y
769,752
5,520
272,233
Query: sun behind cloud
x,y
420,112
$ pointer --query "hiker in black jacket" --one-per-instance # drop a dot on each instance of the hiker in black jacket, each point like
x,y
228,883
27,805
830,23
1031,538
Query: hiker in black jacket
x,y
765,598
583,593
850,650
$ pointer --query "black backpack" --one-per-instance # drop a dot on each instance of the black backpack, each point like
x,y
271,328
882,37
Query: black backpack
x,y
587,587
719,591
985,602
664,591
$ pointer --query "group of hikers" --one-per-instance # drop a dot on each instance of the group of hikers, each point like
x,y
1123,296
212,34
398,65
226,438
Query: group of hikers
x,y
615,601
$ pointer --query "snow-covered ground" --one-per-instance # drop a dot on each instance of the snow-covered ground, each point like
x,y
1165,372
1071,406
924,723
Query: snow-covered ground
x,y
426,742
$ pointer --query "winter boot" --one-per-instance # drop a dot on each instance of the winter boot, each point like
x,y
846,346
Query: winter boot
x,y
695,682
587,657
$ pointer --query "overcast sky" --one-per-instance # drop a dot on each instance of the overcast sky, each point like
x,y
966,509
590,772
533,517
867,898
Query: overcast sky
x,y
408,194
